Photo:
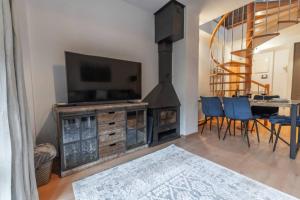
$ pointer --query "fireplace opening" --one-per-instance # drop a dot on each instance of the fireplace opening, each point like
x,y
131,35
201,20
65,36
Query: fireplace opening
x,y
167,117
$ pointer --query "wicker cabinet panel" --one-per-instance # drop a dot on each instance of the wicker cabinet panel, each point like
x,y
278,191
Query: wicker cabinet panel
x,y
112,136
105,118
112,149
105,128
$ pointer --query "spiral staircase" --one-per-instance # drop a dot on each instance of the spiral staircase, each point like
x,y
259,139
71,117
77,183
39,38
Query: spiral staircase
x,y
231,58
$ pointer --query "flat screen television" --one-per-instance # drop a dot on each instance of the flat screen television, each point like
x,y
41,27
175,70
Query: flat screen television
x,y
98,79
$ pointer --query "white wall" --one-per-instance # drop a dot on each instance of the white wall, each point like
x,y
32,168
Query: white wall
x,y
103,28
277,63
204,68
110,28
185,72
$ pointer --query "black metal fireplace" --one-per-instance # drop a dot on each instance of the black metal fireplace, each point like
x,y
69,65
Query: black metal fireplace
x,y
164,104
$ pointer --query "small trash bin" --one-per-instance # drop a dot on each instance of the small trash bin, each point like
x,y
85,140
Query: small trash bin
x,y
43,159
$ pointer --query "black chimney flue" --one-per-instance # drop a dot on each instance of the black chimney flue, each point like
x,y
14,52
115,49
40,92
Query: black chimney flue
x,y
165,62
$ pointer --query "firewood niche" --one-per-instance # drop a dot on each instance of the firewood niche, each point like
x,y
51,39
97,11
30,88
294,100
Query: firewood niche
x,y
92,134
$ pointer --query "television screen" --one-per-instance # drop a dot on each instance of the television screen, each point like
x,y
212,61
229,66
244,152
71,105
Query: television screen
x,y
99,79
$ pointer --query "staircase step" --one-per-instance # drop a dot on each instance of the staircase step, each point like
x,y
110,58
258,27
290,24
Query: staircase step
x,y
234,64
275,10
288,22
229,74
262,6
243,90
244,53
229,82
260,39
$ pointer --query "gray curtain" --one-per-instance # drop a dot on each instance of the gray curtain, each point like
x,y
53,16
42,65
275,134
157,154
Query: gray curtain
x,y
23,184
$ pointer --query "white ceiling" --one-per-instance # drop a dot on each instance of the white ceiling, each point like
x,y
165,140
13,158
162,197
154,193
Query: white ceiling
x,y
208,9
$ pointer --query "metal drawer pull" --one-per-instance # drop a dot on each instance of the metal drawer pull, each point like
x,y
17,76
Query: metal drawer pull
x,y
111,113
111,134
114,144
112,123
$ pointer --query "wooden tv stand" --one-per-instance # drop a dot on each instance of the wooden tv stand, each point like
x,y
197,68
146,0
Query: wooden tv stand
x,y
91,134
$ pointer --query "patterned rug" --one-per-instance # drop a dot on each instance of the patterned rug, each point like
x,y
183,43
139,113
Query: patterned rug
x,y
171,174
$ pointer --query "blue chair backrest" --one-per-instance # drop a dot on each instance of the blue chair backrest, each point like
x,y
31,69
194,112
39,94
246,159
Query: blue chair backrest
x,y
242,109
237,108
212,107
229,107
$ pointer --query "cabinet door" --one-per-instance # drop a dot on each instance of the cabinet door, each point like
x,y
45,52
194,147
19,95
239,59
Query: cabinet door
x,y
136,129
88,127
71,130
131,138
141,136
72,154
89,150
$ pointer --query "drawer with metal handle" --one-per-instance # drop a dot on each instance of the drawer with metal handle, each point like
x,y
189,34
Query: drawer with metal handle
x,y
111,149
108,117
112,136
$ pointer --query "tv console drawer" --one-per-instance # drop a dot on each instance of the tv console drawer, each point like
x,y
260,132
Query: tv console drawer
x,y
108,117
106,128
112,149
112,136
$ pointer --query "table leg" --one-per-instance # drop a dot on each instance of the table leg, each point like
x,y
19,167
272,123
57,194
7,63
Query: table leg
x,y
298,132
293,144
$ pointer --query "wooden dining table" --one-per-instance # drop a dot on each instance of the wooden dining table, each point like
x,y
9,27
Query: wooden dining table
x,y
293,105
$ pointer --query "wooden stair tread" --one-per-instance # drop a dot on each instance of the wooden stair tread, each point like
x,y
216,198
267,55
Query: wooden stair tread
x,y
288,21
243,53
274,11
229,82
229,74
261,6
260,39
265,35
285,12
233,64
230,90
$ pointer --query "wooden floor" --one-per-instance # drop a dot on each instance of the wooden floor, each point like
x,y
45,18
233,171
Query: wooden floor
x,y
258,162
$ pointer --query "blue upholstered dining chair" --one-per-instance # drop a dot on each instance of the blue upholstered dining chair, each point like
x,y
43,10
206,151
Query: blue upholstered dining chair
x,y
239,109
263,112
281,121
212,108
234,121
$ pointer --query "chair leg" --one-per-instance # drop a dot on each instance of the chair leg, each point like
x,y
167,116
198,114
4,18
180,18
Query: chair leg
x,y
228,124
272,132
277,137
256,129
218,126
222,123
246,133
252,127
234,127
227,129
204,125
211,118
242,128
